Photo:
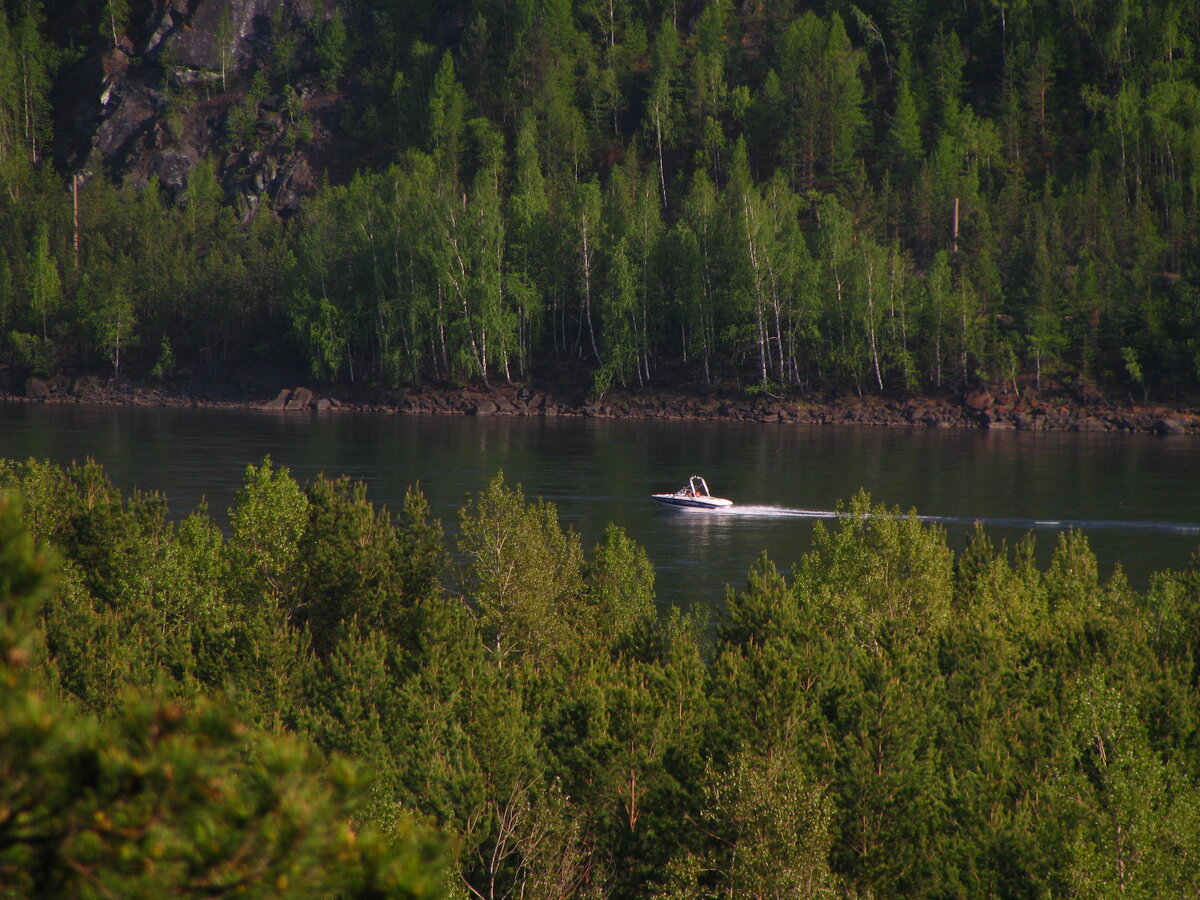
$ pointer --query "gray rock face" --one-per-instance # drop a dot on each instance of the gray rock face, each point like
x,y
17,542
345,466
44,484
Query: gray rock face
x,y
171,169
204,35
128,118
154,109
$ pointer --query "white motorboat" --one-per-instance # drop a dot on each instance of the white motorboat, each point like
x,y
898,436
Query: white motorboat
x,y
693,495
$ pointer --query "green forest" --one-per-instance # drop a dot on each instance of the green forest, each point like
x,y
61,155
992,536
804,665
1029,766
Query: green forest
x,y
329,699
893,195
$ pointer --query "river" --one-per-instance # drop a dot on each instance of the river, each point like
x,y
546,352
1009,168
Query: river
x,y
1135,496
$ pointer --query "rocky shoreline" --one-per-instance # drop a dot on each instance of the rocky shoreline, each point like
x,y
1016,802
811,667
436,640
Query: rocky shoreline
x,y
1053,409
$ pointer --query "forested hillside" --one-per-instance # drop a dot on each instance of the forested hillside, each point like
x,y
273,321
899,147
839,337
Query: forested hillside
x,y
889,195
891,720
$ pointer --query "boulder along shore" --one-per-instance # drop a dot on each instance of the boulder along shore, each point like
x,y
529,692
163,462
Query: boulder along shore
x,y
1026,407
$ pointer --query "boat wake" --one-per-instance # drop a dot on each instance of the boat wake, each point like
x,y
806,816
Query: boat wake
x,y
1068,524
777,512
773,512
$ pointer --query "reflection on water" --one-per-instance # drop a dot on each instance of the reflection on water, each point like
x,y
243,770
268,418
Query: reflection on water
x,y
1133,495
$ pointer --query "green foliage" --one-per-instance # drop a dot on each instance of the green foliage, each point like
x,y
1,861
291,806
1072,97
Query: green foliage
x,y
266,523
879,576
34,352
892,719
1137,826
162,800
904,133
331,49
619,589
111,320
775,828
358,569
165,365
523,573
26,580
885,197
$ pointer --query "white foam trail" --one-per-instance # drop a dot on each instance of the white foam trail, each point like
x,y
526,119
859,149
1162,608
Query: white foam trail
x,y
767,512
1064,524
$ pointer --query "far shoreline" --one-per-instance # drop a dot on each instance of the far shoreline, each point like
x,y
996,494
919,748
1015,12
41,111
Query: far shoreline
x,y
1026,408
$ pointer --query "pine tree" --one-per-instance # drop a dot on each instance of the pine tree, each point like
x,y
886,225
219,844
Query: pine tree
x,y
904,133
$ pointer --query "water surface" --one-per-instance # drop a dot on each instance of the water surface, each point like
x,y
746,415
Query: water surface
x,y
1135,496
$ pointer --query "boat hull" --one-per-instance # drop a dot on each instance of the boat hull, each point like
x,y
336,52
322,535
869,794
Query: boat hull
x,y
684,502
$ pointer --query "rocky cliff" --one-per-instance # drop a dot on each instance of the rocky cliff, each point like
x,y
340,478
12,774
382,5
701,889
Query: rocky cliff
x,y
236,81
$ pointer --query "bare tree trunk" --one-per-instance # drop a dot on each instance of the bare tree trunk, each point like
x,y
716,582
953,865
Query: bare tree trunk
x,y
75,210
662,171
586,262
760,325
871,321
955,234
